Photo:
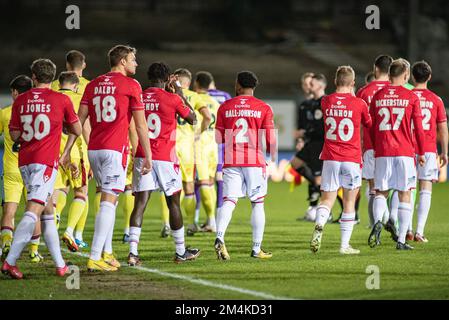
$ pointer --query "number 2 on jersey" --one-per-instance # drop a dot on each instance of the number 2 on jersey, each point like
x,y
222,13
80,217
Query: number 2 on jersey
x,y
385,124
241,136
105,109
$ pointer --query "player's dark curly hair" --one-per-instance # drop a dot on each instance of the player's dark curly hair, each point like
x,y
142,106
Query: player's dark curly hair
x,y
247,79
158,71
421,71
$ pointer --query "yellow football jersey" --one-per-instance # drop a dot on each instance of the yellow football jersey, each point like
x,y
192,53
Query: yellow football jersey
x,y
185,131
10,158
80,143
81,86
213,106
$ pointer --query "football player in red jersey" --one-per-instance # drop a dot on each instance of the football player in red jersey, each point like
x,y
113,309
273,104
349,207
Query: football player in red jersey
x,y
434,125
393,109
110,101
344,114
161,111
241,123
37,119
381,66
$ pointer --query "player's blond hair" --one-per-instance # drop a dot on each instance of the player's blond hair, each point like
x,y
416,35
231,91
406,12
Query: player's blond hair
x,y
344,76
398,67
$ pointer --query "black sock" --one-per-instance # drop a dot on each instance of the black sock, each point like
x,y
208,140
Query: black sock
x,y
307,173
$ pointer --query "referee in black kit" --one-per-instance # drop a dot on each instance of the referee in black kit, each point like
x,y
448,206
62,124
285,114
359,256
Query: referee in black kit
x,y
311,129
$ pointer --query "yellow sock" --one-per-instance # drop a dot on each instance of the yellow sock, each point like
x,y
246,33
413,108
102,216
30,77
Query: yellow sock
x,y
61,202
82,222
213,192
128,209
34,244
206,199
97,202
189,207
6,236
75,212
164,208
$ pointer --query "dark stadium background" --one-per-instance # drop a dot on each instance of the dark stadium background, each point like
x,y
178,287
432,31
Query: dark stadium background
x,y
279,40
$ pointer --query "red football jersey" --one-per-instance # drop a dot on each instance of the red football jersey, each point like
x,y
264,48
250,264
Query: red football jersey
x,y
366,93
110,99
39,114
393,109
161,109
433,112
343,114
242,122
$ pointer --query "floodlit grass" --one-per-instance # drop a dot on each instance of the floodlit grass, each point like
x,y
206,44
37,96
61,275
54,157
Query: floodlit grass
x,y
293,272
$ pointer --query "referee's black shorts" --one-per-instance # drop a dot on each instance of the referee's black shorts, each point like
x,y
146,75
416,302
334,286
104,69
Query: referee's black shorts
x,y
310,154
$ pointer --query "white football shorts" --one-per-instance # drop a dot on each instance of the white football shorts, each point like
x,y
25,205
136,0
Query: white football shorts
x,y
164,176
109,168
336,175
397,173
39,181
239,182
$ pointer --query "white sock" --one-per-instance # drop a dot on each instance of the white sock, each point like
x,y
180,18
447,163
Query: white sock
x,y
404,214
105,218
412,212
224,217
425,198
108,244
346,225
322,215
134,236
394,204
79,235
178,237
379,208
51,237
22,236
211,222
258,224
69,231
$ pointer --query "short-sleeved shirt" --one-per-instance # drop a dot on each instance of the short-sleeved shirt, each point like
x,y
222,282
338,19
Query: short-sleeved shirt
x,y
344,114
393,109
10,157
39,114
366,93
242,122
433,112
161,110
186,132
220,96
110,100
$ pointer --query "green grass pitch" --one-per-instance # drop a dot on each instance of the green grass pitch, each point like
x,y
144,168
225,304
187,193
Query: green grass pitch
x,y
293,272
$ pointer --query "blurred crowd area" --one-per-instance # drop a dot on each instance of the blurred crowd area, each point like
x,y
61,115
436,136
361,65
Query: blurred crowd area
x,y
279,40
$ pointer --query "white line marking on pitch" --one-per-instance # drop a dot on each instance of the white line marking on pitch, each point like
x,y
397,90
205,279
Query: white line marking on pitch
x,y
206,283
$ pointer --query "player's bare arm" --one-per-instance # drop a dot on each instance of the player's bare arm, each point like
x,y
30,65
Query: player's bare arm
x,y
74,131
443,140
133,138
207,118
142,132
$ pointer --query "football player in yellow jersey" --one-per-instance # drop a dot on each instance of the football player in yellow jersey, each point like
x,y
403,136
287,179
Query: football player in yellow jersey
x,y
74,61
74,176
185,139
12,179
206,152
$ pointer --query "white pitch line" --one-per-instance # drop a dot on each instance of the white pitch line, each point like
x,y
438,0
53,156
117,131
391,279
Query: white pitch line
x,y
203,282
